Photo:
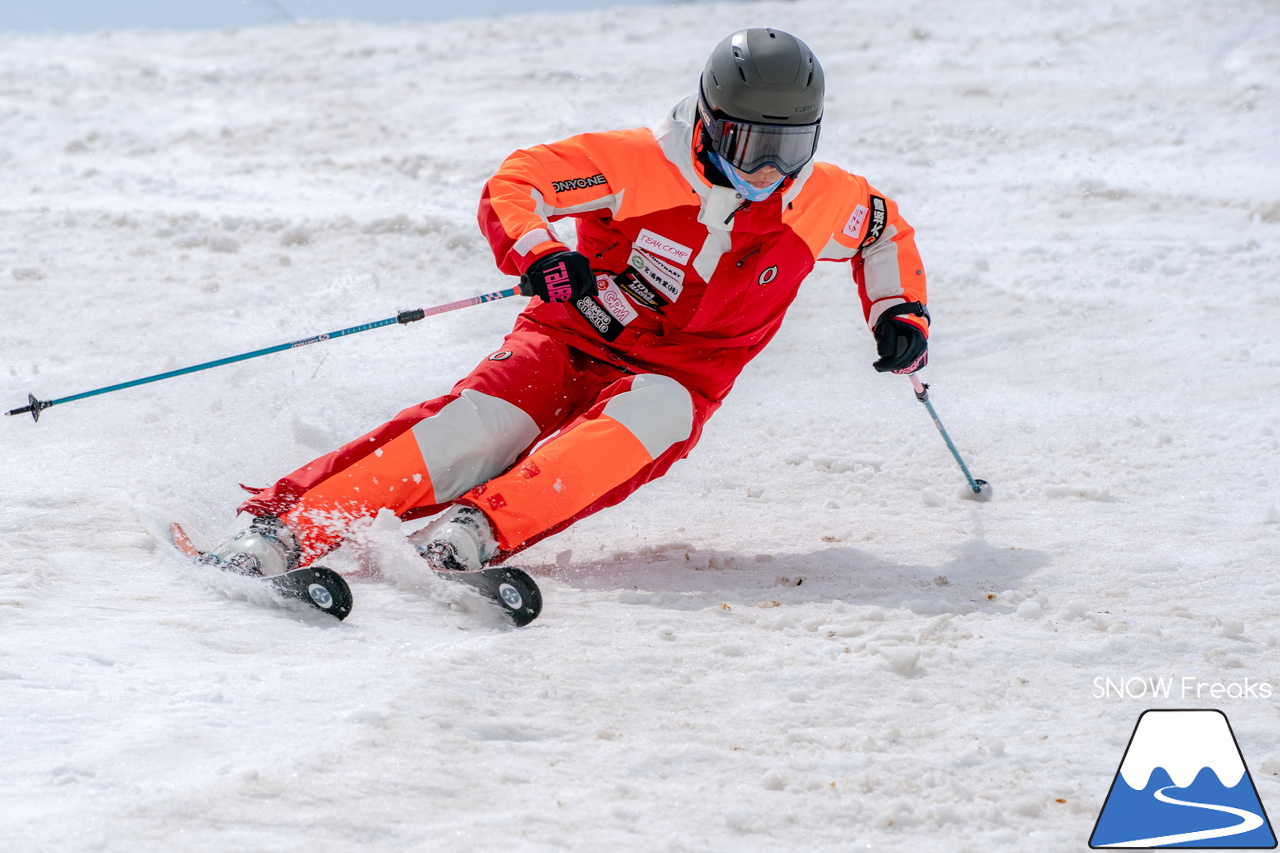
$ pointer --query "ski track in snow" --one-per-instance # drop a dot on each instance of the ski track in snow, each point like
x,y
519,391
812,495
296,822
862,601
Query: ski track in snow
x,y
803,638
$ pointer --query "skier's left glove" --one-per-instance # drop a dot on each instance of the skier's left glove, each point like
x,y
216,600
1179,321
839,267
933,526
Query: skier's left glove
x,y
559,277
902,345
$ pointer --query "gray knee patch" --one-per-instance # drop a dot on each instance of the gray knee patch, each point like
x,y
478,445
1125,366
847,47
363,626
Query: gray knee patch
x,y
471,440
658,410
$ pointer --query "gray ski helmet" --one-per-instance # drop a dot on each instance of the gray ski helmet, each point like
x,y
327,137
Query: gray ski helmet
x,y
760,100
766,76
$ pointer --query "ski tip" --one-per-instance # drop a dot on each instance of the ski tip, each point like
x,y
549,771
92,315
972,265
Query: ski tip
x,y
182,542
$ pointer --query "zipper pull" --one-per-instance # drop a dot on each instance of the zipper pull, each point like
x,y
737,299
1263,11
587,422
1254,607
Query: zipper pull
x,y
746,203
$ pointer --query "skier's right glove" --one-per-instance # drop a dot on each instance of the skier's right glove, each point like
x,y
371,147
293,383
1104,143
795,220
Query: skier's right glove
x,y
559,277
902,345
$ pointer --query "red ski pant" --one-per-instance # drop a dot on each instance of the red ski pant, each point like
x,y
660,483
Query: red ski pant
x,y
538,436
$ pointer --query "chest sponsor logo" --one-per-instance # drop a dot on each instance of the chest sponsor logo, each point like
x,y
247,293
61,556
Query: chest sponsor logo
x,y
610,296
577,184
636,287
667,279
767,276
853,227
600,319
658,245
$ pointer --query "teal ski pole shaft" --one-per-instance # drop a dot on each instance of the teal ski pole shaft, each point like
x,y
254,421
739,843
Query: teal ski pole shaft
x,y
981,488
35,406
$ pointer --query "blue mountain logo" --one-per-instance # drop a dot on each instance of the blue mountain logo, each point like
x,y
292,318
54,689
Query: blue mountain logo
x,y
1183,783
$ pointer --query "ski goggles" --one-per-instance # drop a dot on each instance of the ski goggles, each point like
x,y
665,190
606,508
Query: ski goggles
x,y
749,146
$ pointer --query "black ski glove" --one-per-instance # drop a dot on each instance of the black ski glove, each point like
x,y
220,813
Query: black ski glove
x,y
902,346
559,277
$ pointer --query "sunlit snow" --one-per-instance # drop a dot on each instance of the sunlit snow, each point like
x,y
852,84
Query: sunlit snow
x,y
803,638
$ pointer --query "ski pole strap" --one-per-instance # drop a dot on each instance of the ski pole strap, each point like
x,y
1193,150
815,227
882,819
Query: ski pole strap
x,y
917,309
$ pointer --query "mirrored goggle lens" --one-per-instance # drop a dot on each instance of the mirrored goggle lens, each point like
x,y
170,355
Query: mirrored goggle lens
x,y
750,147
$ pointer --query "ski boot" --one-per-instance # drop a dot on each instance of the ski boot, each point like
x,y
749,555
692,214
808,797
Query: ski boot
x,y
461,540
458,547
266,547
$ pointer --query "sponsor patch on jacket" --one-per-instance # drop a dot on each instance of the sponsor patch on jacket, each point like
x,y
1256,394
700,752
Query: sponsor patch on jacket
x,y
666,279
853,227
577,183
610,296
639,290
601,320
879,218
656,244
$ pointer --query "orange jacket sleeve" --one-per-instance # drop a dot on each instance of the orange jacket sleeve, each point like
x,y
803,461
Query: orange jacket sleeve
x,y
866,230
536,186
888,269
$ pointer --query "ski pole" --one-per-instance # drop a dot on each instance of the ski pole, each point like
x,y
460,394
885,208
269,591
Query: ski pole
x,y
981,488
35,406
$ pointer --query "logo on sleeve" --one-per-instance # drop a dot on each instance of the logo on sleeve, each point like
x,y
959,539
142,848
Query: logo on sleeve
x,y
663,247
577,184
879,218
853,227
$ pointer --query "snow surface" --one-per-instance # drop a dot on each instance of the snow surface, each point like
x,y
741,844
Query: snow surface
x,y
803,638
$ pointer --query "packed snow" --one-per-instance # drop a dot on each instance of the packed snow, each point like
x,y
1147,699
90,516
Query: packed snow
x,y
805,637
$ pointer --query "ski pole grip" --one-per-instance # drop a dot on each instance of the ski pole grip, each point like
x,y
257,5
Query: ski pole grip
x,y
411,316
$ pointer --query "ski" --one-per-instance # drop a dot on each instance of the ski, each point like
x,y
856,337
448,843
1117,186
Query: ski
x,y
511,588
507,586
321,588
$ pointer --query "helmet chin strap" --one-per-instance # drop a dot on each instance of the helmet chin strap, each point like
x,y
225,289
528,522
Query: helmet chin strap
x,y
744,189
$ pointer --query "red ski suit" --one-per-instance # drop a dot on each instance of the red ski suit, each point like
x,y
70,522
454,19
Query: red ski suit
x,y
585,402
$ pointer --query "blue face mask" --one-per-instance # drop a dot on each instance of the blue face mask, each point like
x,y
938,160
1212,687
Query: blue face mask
x,y
744,189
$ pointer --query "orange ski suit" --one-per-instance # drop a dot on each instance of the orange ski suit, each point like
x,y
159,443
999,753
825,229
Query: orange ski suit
x,y
584,402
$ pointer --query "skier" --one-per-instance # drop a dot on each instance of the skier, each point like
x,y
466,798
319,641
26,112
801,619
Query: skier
x,y
692,240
